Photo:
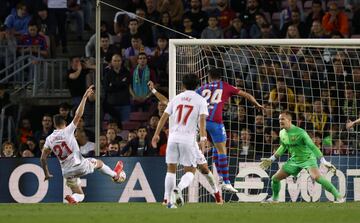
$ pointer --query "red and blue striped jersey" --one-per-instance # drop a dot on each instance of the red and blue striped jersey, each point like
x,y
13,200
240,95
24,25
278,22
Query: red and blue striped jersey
x,y
216,94
38,40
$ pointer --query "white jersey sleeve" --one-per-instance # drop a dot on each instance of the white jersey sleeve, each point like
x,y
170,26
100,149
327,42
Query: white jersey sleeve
x,y
47,143
70,129
169,108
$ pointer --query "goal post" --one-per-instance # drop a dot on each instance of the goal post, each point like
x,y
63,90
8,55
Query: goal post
x,y
318,80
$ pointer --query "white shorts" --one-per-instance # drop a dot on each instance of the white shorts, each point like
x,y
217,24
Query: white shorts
x,y
200,158
87,166
179,153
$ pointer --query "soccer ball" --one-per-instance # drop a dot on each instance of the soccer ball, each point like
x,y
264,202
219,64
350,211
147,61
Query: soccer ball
x,y
122,176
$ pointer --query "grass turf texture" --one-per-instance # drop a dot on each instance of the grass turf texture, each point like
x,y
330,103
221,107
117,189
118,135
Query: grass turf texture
x,y
201,212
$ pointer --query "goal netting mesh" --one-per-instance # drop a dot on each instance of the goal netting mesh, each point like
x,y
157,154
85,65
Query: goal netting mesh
x,y
317,82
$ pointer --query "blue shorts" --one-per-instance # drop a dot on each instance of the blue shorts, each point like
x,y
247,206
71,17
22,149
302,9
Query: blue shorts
x,y
216,131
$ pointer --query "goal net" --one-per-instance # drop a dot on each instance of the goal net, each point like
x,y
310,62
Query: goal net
x,y
317,80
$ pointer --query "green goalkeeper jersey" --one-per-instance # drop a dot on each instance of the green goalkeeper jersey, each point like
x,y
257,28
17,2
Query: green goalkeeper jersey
x,y
299,144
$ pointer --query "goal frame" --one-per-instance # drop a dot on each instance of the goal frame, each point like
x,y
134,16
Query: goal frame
x,y
255,42
323,43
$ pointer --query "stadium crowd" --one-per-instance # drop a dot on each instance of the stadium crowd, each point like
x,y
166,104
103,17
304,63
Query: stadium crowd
x,y
135,52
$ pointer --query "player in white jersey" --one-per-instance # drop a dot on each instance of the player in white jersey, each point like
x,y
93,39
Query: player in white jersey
x,y
63,144
201,161
186,111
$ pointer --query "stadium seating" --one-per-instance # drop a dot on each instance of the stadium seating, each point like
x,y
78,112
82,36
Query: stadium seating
x,y
130,125
139,116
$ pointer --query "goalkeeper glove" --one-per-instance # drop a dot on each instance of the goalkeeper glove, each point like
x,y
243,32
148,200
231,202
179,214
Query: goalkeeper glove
x,y
328,165
266,162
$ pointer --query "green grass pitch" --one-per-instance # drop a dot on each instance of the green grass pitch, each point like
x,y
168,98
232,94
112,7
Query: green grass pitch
x,y
200,212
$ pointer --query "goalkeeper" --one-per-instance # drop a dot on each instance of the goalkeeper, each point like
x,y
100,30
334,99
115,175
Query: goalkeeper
x,y
304,154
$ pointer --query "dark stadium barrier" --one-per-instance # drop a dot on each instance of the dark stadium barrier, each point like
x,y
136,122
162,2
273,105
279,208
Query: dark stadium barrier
x,y
21,180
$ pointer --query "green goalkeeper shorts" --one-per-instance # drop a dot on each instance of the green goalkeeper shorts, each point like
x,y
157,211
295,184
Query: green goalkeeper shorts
x,y
293,168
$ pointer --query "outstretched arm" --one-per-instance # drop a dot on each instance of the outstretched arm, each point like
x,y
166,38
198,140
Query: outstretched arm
x,y
80,110
350,123
158,95
280,151
266,162
251,99
308,142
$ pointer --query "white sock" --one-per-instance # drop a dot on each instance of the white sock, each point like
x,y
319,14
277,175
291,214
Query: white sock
x,y
78,197
170,181
186,180
107,170
210,178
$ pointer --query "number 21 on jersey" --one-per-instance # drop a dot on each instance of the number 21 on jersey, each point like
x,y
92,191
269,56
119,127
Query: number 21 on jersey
x,y
62,151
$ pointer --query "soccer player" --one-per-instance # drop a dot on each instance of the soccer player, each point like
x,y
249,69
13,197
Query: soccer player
x,y
303,154
63,144
201,161
217,92
186,110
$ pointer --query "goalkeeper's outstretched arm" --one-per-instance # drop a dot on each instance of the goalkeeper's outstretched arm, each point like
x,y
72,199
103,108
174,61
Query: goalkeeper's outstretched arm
x,y
266,162
309,143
